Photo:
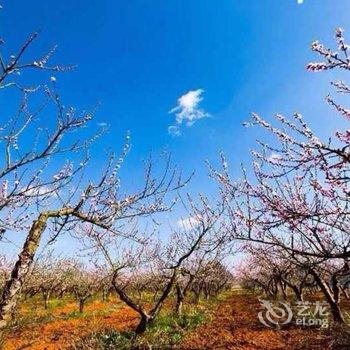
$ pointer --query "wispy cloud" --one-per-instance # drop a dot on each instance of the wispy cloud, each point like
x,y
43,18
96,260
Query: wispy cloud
x,y
188,223
274,158
300,2
187,111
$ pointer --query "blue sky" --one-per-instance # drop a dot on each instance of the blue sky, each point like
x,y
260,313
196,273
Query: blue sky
x,y
138,57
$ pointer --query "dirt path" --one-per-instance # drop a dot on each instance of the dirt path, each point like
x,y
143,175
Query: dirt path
x,y
234,325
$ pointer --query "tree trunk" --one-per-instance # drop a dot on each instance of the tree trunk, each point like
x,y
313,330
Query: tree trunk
x,y
179,300
345,293
335,288
206,292
336,313
46,296
298,293
143,324
81,305
283,287
13,286
197,294
297,290
333,302
145,318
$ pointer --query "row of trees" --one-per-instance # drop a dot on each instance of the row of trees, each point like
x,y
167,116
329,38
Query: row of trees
x,y
43,192
61,278
290,209
270,274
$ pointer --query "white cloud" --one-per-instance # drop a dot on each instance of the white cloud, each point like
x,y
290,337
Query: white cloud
x,y
187,111
274,158
38,191
300,2
188,223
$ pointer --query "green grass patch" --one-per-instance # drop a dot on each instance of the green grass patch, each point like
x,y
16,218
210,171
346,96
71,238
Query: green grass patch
x,y
29,321
168,330
164,333
115,340
85,314
56,303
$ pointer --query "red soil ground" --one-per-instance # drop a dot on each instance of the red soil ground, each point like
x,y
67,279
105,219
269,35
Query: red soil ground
x,y
62,332
233,325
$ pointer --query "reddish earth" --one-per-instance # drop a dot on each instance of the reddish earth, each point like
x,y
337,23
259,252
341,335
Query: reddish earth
x,y
62,331
235,325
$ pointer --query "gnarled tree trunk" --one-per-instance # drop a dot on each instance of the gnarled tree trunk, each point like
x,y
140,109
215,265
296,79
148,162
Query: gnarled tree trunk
x,y
332,298
145,317
179,300
14,285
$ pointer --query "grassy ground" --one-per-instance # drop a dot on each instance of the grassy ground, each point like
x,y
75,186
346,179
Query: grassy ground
x,y
166,332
